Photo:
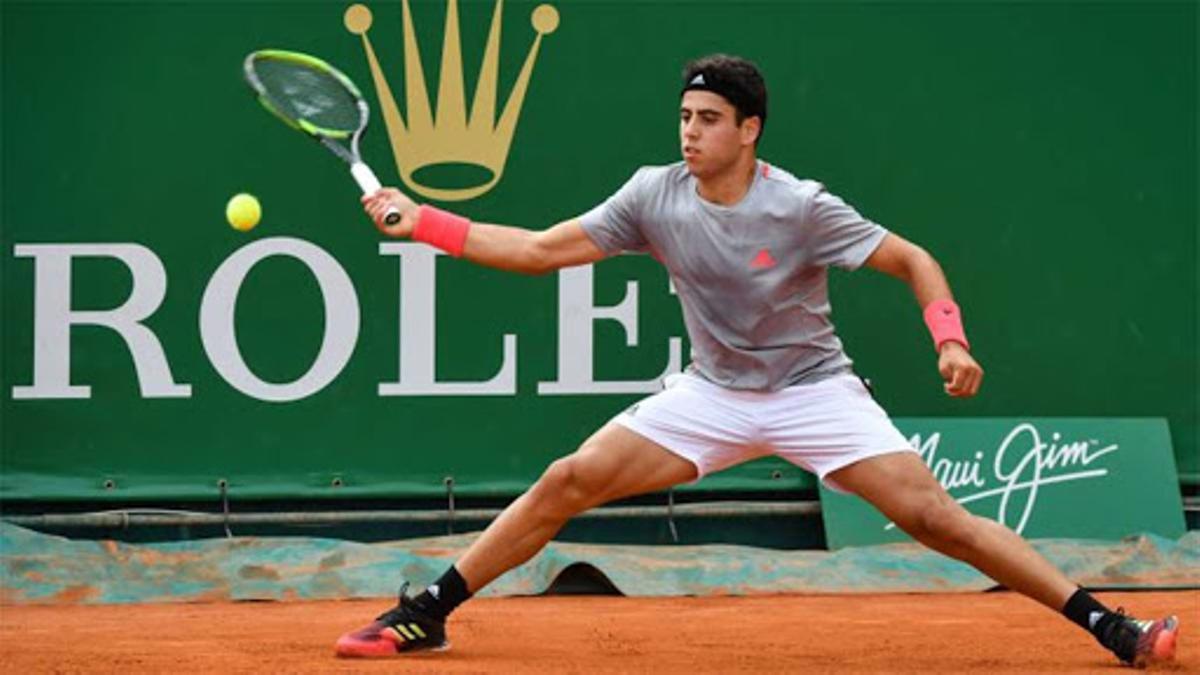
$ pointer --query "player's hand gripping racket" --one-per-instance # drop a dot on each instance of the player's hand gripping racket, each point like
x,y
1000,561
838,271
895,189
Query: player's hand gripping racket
x,y
318,99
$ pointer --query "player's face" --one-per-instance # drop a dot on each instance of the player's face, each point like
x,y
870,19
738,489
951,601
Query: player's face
x,y
709,135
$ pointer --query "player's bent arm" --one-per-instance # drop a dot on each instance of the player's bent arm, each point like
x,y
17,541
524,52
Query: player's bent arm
x,y
912,264
529,252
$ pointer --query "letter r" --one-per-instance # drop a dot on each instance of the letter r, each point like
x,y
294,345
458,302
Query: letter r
x,y
53,318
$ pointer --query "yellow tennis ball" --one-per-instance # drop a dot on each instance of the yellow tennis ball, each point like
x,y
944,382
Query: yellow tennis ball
x,y
243,211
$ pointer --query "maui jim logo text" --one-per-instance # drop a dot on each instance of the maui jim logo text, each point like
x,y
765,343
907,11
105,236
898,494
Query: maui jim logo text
x,y
54,318
1022,465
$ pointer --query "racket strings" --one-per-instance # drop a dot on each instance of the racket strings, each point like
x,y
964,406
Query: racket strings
x,y
300,92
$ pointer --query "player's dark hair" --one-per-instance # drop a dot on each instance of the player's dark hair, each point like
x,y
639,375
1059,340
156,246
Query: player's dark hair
x,y
734,78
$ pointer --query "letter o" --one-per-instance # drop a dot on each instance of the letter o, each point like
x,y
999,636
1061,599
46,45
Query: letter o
x,y
218,333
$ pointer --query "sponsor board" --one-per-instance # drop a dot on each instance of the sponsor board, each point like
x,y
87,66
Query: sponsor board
x,y
1042,477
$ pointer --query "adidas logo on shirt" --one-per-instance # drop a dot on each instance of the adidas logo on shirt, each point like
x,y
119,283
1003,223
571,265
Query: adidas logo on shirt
x,y
762,261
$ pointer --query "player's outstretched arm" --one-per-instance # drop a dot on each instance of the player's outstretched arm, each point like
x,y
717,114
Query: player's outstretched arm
x,y
910,263
508,248
530,252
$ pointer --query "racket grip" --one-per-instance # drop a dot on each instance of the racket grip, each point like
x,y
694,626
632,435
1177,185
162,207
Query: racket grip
x,y
365,177
368,183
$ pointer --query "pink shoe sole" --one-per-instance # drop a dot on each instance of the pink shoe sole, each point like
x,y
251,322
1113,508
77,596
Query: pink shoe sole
x,y
350,648
1163,648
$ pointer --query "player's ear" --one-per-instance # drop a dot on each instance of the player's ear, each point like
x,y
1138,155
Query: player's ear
x,y
750,128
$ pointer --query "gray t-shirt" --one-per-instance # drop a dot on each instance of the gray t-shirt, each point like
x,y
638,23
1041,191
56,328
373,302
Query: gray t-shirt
x,y
751,277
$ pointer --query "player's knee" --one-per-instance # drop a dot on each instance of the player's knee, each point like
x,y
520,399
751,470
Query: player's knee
x,y
562,490
947,527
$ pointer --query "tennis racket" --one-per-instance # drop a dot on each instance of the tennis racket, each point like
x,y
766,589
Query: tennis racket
x,y
312,96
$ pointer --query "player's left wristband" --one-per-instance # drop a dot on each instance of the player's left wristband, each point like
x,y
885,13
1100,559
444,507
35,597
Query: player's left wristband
x,y
944,320
445,230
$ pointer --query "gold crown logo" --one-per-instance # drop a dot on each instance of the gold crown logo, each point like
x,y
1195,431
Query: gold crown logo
x,y
450,138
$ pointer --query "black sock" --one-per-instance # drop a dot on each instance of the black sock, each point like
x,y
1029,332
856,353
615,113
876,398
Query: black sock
x,y
1086,611
443,595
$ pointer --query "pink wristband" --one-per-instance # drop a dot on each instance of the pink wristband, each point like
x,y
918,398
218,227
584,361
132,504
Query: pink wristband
x,y
945,323
445,230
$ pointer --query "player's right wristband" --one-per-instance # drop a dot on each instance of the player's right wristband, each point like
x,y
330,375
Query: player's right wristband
x,y
945,323
445,230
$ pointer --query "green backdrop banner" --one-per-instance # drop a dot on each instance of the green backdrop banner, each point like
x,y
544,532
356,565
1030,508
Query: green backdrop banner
x,y
150,350
1071,478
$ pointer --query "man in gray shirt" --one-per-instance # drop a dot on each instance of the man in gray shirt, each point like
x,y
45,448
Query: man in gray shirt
x,y
747,246
751,275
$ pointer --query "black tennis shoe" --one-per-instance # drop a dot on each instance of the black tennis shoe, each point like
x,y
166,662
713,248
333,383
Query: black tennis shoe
x,y
1140,643
407,627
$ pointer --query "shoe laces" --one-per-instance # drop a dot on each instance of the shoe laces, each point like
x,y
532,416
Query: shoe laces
x,y
401,611
1121,634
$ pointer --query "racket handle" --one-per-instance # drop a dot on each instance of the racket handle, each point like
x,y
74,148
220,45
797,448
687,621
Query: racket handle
x,y
365,177
369,184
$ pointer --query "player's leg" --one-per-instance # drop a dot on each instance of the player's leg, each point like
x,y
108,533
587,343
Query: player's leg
x,y
614,463
689,429
901,486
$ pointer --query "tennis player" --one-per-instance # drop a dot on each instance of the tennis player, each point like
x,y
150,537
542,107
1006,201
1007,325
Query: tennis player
x,y
747,246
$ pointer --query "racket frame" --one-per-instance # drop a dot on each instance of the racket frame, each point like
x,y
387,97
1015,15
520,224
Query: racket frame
x,y
367,181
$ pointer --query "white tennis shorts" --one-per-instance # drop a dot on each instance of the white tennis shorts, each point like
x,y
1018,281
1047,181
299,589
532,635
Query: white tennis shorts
x,y
820,427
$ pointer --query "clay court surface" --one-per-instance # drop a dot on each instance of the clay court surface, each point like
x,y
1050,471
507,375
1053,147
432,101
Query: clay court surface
x,y
991,632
